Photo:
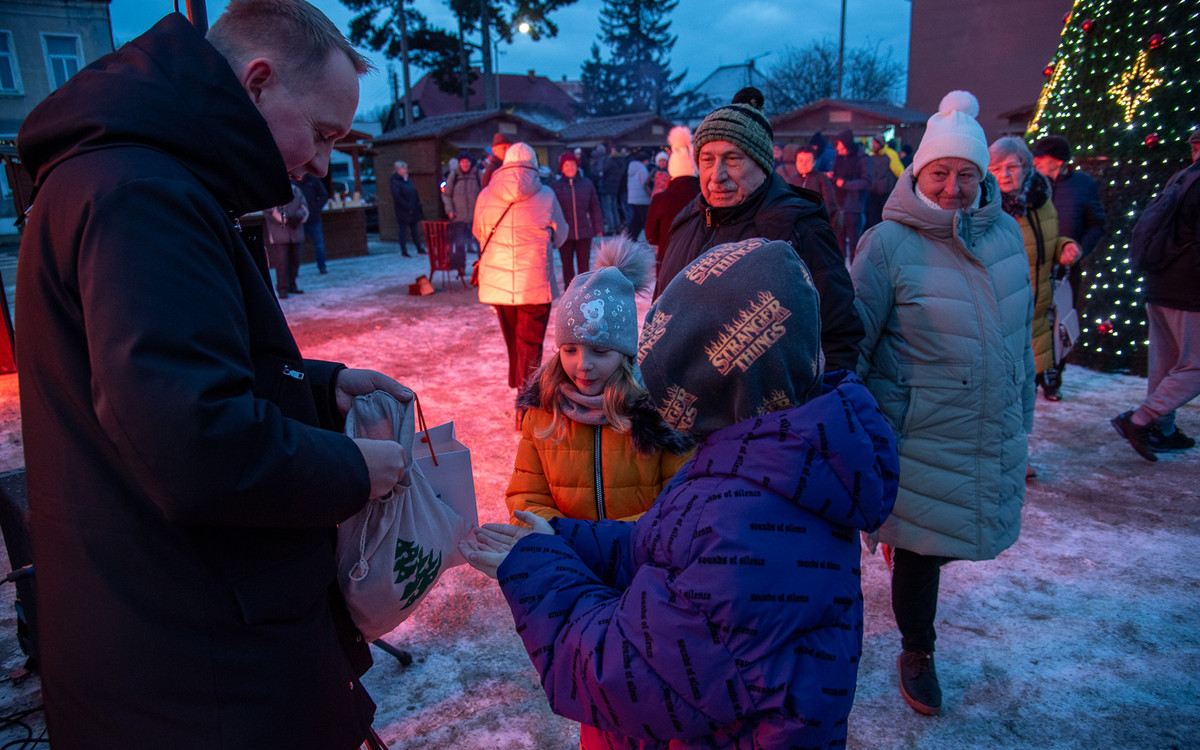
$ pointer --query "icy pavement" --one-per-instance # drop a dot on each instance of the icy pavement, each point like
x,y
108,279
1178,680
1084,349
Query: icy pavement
x,y
1082,635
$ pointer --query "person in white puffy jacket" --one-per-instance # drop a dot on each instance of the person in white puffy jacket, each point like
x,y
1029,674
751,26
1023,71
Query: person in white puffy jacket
x,y
516,220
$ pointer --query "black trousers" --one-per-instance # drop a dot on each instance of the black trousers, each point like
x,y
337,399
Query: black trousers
x,y
524,329
915,582
411,229
574,252
637,219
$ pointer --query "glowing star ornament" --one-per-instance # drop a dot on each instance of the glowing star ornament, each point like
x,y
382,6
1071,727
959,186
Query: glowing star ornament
x,y
1134,86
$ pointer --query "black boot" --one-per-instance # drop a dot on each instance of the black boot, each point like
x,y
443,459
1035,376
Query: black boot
x,y
919,683
1051,385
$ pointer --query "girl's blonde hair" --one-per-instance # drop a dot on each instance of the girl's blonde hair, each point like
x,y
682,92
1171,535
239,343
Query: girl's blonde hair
x,y
620,393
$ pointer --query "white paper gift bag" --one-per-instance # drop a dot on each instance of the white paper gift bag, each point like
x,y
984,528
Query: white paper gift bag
x,y
448,469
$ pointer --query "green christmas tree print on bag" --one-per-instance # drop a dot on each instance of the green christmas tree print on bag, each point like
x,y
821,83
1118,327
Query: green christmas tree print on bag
x,y
416,567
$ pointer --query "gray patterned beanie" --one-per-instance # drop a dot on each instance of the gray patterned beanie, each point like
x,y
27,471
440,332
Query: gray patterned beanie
x,y
735,335
742,124
598,308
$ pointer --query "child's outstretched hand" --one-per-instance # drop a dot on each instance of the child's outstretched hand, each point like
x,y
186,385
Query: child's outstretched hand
x,y
487,546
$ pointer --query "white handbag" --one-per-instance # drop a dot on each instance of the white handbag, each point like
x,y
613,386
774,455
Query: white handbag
x,y
1064,320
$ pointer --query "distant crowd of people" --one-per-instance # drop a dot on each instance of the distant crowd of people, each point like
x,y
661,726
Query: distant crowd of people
x,y
842,353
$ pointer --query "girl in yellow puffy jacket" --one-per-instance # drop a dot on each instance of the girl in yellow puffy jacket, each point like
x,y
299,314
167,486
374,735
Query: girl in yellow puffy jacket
x,y
592,444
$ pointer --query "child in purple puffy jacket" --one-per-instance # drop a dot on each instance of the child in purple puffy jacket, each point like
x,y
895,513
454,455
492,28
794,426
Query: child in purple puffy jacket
x,y
730,615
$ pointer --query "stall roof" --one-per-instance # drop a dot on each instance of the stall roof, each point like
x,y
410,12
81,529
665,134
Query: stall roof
x,y
612,128
892,113
430,127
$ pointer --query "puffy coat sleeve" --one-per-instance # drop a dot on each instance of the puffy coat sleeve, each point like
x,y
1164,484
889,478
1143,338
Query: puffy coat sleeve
x,y
580,613
1029,393
593,207
632,650
448,191
529,489
558,222
840,327
874,296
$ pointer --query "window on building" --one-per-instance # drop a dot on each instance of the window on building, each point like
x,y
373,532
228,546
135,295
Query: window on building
x,y
64,57
10,73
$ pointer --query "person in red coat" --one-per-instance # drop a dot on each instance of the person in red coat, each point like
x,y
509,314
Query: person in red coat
x,y
682,188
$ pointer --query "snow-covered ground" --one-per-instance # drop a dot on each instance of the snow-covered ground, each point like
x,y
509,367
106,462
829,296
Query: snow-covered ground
x,y
1083,635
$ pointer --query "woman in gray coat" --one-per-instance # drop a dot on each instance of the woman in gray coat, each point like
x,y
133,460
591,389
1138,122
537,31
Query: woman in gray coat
x,y
942,287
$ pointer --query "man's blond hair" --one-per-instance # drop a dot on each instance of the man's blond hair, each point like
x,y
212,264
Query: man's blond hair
x,y
293,32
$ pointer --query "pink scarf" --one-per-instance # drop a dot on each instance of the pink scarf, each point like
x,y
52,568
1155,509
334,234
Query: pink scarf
x,y
580,408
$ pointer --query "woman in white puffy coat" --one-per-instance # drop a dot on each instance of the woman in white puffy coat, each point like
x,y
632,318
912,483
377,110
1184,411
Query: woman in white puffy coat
x,y
516,220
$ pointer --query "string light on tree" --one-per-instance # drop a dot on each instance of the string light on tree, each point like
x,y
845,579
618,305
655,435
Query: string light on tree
x,y
1123,92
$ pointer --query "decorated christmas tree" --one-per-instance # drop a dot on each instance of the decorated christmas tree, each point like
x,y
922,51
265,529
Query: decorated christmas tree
x,y
1123,89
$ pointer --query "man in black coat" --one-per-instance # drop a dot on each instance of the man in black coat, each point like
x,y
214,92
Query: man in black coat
x,y
186,467
1081,217
316,195
741,197
1076,198
407,205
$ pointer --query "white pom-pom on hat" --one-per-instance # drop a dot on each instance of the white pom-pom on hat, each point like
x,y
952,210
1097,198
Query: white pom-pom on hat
x,y
953,132
682,162
959,101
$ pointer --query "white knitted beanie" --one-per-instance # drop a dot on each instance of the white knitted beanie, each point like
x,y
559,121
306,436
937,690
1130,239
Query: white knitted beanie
x,y
682,161
953,132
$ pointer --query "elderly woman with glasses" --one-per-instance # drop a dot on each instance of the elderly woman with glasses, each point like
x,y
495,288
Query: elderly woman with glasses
x,y
1025,195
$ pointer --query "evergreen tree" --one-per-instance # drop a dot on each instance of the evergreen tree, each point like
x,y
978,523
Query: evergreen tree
x,y
1122,90
636,76
443,53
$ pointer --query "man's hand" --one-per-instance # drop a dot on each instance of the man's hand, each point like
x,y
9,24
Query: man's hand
x,y
385,464
485,548
351,383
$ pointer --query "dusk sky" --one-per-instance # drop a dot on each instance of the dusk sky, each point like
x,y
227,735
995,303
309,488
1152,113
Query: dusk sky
x,y
710,33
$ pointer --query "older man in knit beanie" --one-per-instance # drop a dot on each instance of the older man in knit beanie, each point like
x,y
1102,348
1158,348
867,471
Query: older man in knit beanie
x,y
742,197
